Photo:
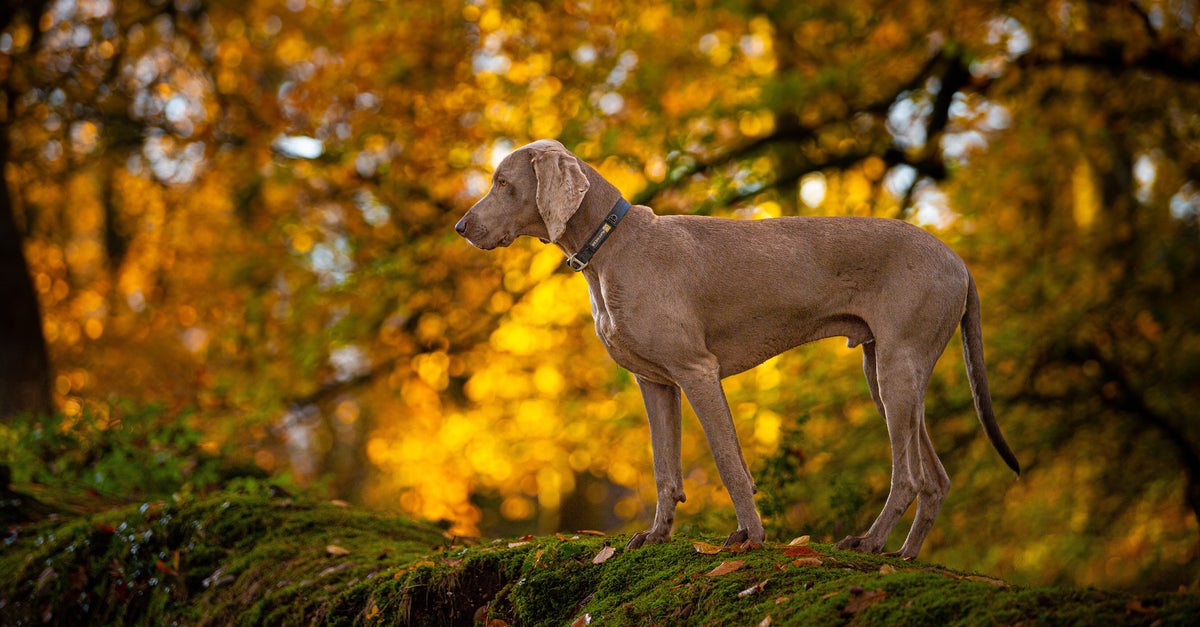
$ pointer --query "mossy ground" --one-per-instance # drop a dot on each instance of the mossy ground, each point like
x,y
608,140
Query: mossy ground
x,y
247,556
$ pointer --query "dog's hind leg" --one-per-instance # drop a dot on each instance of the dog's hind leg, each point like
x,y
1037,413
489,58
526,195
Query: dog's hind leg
x,y
935,485
902,377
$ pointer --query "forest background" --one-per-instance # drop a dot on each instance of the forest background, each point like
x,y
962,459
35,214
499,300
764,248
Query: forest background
x,y
226,234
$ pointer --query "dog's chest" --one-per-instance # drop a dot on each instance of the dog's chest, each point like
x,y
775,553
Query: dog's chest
x,y
616,335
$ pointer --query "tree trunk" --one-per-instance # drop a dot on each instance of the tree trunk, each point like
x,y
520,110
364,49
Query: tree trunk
x,y
24,362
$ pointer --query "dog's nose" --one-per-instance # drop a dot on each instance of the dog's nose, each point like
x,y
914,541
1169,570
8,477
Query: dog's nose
x,y
461,227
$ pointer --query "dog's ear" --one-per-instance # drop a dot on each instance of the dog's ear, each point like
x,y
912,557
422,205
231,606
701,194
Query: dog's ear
x,y
561,186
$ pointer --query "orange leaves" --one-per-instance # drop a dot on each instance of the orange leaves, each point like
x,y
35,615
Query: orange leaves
x,y
724,568
706,548
800,551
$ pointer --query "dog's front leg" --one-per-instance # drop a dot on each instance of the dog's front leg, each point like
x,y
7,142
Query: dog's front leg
x,y
703,389
665,414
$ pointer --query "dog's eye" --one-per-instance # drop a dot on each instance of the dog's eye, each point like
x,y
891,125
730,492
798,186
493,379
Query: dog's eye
x,y
501,183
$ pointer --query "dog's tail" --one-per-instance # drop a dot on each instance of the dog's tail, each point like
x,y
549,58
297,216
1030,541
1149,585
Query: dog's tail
x,y
977,373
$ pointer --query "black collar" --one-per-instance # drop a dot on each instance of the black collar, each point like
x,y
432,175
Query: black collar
x,y
580,260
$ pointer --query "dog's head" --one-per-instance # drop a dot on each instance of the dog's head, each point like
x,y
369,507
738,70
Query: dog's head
x,y
535,191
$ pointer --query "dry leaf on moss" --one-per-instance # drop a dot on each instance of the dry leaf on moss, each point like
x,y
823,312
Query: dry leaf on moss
x,y
603,555
801,551
706,548
755,589
724,568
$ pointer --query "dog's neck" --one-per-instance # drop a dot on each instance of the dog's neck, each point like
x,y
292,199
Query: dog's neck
x,y
599,200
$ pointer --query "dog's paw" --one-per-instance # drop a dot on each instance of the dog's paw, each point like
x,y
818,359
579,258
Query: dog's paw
x,y
858,543
737,537
904,553
646,538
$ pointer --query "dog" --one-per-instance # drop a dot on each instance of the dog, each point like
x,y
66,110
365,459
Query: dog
x,y
684,301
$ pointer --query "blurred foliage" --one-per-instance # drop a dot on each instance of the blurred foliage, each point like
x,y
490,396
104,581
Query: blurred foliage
x,y
244,210
129,453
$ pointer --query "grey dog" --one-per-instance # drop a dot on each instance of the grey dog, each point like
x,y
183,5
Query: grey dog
x,y
685,301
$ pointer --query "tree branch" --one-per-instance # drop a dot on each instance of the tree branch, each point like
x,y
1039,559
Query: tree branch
x,y
792,134
1156,61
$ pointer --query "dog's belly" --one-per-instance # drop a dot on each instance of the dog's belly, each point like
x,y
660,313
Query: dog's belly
x,y
743,347
737,347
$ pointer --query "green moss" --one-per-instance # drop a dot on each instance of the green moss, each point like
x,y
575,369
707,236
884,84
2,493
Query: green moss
x,y
244,557
237,556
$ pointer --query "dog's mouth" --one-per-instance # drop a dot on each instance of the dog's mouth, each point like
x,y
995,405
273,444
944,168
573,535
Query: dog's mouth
x,y
504,241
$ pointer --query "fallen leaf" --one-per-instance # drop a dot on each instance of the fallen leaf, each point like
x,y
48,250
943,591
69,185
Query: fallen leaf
x,y
801,541
584,619
887,569
755,589
807,562
592,532
513,545
339,502
604,554
706,548
724,568
801,551
373,612
334,549
863,599
526,537
162,567
105,528
742,547
783,599
766,622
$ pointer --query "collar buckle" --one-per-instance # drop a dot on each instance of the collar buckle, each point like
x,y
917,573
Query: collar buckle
x,y
575,263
